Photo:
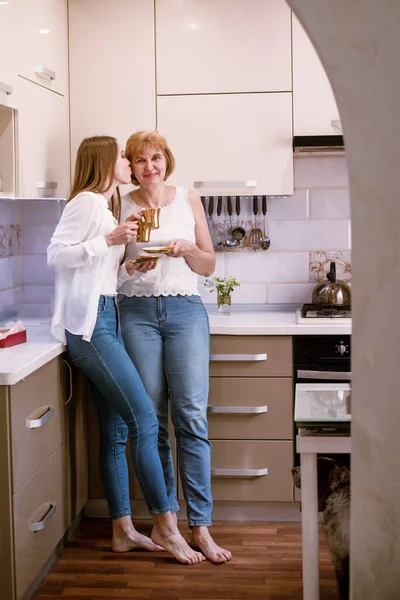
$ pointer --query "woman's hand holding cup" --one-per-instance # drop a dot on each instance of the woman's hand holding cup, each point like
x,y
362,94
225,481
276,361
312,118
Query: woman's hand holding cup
x,y
124,233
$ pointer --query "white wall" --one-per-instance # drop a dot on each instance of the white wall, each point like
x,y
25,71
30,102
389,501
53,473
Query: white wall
x,y
359,45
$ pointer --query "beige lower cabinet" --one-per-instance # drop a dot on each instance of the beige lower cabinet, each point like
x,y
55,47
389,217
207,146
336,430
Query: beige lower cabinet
x,y
250,413
43,469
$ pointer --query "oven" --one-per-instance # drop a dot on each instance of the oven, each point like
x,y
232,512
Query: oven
x,y
321,359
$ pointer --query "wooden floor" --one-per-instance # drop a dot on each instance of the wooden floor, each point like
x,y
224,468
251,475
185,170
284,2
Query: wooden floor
x,y
266,565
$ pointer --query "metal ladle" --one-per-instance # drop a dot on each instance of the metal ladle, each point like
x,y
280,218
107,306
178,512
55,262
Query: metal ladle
x,y
230,242
265,241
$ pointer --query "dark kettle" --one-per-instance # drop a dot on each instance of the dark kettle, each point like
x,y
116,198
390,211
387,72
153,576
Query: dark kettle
x,y
332,291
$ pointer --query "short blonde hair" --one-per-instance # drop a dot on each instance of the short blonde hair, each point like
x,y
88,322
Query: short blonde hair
x,y
140,141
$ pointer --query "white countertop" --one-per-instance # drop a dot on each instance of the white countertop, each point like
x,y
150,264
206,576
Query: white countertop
x,y
22,360
271,323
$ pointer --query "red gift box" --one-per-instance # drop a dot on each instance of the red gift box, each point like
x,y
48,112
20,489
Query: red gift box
x,y
13,339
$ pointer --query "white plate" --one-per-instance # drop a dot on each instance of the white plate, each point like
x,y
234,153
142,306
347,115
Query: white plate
x,y
157,249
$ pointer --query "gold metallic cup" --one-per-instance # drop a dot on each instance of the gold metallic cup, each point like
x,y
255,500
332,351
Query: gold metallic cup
x,y
143,233
152,215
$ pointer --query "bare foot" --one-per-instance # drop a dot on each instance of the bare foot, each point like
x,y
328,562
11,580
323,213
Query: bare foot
x,y
133,540
174,543
202,540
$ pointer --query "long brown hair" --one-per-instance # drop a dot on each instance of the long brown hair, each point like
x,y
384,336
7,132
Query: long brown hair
x,y
95,165
141,140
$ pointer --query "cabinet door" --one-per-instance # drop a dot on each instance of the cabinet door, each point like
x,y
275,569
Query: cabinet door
x,y
43,139
8,62
205,46
112,72
232,143
314,105
74,386
42,51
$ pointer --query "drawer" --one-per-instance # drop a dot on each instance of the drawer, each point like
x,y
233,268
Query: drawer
x,y
39,504
241,408
245,471
36,421
251,355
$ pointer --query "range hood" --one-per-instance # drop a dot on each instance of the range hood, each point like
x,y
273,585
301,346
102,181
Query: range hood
x,y
322,144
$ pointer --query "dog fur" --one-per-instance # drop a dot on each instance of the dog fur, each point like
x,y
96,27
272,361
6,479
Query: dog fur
x,y
334,503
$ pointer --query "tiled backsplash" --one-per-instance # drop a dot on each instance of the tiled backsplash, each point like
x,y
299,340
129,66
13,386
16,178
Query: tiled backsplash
x,y
307,230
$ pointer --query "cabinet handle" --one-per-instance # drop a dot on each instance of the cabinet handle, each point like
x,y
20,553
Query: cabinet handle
x,y
328,375
70,382
239,472
49,508
238,357
238,410
4,87
47,184
32,423
45,72
204,184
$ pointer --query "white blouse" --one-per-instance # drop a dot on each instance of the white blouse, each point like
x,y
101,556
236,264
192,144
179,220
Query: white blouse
x,y
85,266
171,276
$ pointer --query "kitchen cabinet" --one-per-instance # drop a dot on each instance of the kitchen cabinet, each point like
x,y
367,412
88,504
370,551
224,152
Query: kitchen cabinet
x,y
43,139
36,495
250,416
229,46
230,143
314,105
112,68
42,43
8,67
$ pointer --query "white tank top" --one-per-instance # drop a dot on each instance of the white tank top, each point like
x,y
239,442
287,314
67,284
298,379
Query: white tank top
x,y
172,276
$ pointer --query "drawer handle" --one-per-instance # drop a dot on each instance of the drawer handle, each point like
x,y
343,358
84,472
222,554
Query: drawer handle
x,y
33,423
45,72
4,87
238,357
238,410
49,510
70,381
244,183
239,472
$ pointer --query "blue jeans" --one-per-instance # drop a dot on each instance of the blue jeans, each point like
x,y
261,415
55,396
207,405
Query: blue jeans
x,y
168,339
123,409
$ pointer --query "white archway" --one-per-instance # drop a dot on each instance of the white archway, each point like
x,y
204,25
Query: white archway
x,y
359,44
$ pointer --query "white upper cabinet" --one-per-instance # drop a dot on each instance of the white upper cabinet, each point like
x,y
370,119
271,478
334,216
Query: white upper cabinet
x,y
221,46
314,105
43,139
8,69
43,43
112,68
231,143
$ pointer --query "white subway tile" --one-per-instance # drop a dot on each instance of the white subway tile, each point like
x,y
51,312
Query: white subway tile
x,y
250,293
37,294
16,271
284,293
11,297
41,211
34,310
5,274
321,234
10,212
35,271
36,238
320,171
329,203
264,267
291,207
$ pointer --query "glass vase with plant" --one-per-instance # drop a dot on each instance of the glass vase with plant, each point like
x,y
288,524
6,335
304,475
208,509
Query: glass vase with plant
x,y
224,287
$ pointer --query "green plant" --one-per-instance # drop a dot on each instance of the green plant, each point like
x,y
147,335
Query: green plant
x,y
224,287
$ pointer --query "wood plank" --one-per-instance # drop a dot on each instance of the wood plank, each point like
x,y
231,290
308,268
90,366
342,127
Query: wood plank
x,y
266,565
